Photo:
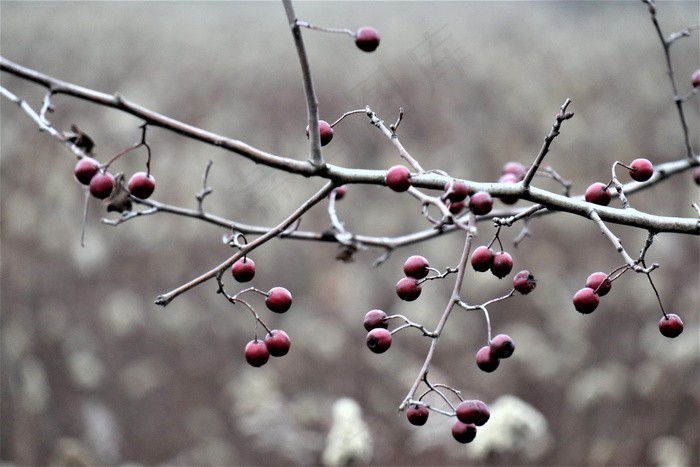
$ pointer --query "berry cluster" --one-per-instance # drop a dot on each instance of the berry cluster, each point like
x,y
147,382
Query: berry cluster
x,y
101,183
640,170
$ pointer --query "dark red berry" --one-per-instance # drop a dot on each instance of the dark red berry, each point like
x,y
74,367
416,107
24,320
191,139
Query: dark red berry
x,y
243,270
256,353
599,282
509,178
696,175
325,132
142,185
502,264
641,170
481,203
278,343
408,289
367,39
695,78
378,340
85,169
482,259
463,432
416,267
456,190
398,178
586,300
475,412
101,185
485,360
515,168
340,192
455,208
376,319
278,300
502,346
524,282
417,414
671,325
598,194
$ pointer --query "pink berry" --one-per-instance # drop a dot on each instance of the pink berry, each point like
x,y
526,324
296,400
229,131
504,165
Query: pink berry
x,y
586,300
142,185
367,39
417,414
482,259
671,325
599,282
481,203
375,319
502,264
474,411
398,178
597,193
455,208
325,132
416,267
456,190
378,340
278,343
340,192
486,361
641,170
408,289
515,168
85,169
243,270
278,300
508,178
524,282
696,175
463,432
695,78
101,185
256,353
502,346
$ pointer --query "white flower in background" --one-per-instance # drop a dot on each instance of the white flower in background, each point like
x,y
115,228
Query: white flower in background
x,y
515,427
349,441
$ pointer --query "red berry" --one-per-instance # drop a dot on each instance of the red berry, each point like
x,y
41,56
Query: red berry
x,y
142,185
482,259
416,267
456,190
485,360
599,282
243,270
101,185
375,319
671,325
417,414
524,282
598,194
278,343
481,203
515,168
696,175
398,178
695,78
641,170
463,432
367,39
256,353
378,340
502,346
475,412
325,131
455,208
502,264
340,192
85,169
509,178
408,289
278,300
586,300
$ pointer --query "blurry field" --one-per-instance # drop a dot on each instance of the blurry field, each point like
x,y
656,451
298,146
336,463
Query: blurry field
x,y
91,368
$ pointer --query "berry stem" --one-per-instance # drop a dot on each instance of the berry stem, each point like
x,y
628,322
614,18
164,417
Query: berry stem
x,y
304,24
376,121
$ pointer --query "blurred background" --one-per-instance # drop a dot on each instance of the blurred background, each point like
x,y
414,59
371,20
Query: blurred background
x,y
94,373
